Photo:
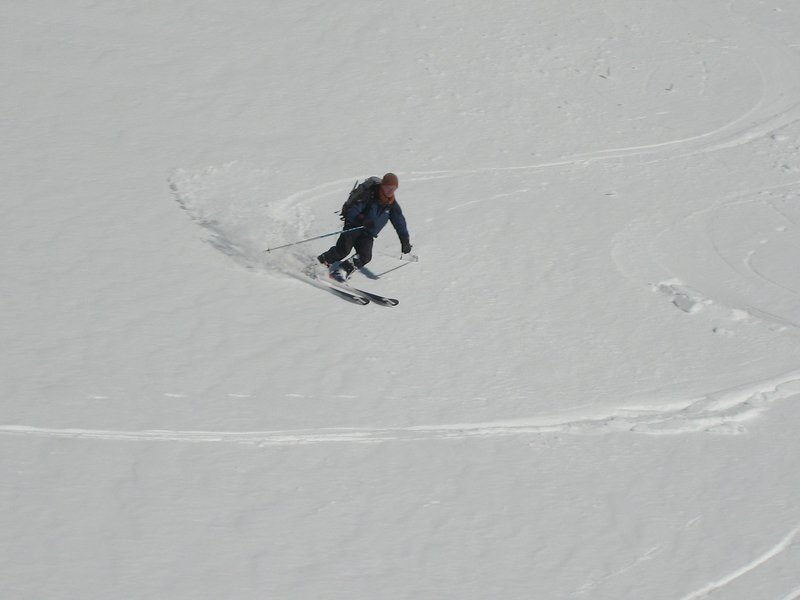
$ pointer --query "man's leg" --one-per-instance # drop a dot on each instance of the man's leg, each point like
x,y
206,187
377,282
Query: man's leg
x,y
343,247
363,246
364,249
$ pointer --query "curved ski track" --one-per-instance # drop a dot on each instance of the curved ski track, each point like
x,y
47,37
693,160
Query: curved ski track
x,y
778,550
723,413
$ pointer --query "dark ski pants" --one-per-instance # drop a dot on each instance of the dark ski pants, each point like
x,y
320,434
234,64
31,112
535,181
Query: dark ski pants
x,y
358,240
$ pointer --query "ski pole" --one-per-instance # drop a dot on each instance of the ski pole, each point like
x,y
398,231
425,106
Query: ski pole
x,y
318,237
405,257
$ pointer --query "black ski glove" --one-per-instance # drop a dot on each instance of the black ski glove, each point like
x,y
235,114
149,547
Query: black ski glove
x,y
405,246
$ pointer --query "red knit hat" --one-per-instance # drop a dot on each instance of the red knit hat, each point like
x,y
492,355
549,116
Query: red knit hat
x,y
390,179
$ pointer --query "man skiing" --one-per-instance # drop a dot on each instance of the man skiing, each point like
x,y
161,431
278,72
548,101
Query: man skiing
x,y
372,204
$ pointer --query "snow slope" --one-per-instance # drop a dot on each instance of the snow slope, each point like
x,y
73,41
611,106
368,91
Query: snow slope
x,y
588,389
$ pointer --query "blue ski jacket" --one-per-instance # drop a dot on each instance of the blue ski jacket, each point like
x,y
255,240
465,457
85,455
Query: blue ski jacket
x,y
374,215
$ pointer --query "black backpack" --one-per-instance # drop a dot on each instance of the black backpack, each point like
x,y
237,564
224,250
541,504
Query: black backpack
x,y
359,193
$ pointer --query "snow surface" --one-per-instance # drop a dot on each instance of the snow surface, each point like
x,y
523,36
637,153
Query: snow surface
x,y
589,389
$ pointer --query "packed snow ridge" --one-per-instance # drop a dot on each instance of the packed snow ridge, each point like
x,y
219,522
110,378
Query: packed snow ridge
x,y
721,413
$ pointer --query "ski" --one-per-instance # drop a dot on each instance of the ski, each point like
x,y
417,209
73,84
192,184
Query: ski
x,y
371,296
351,295
330,286
341,288
377,298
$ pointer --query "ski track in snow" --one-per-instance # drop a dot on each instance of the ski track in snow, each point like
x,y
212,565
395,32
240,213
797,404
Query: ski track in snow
x,y
723,413
793,595
723,262
774,552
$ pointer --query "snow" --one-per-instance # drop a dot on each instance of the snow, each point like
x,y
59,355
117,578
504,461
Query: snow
x,y
588,390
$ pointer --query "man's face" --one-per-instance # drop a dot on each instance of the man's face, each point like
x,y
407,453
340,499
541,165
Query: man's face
x,y
388,190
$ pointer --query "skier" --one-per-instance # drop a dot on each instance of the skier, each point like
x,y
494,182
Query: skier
x,y
373,206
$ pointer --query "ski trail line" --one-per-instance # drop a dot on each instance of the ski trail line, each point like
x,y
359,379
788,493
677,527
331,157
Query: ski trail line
x,y
778,107
793,595
780,547
722,412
